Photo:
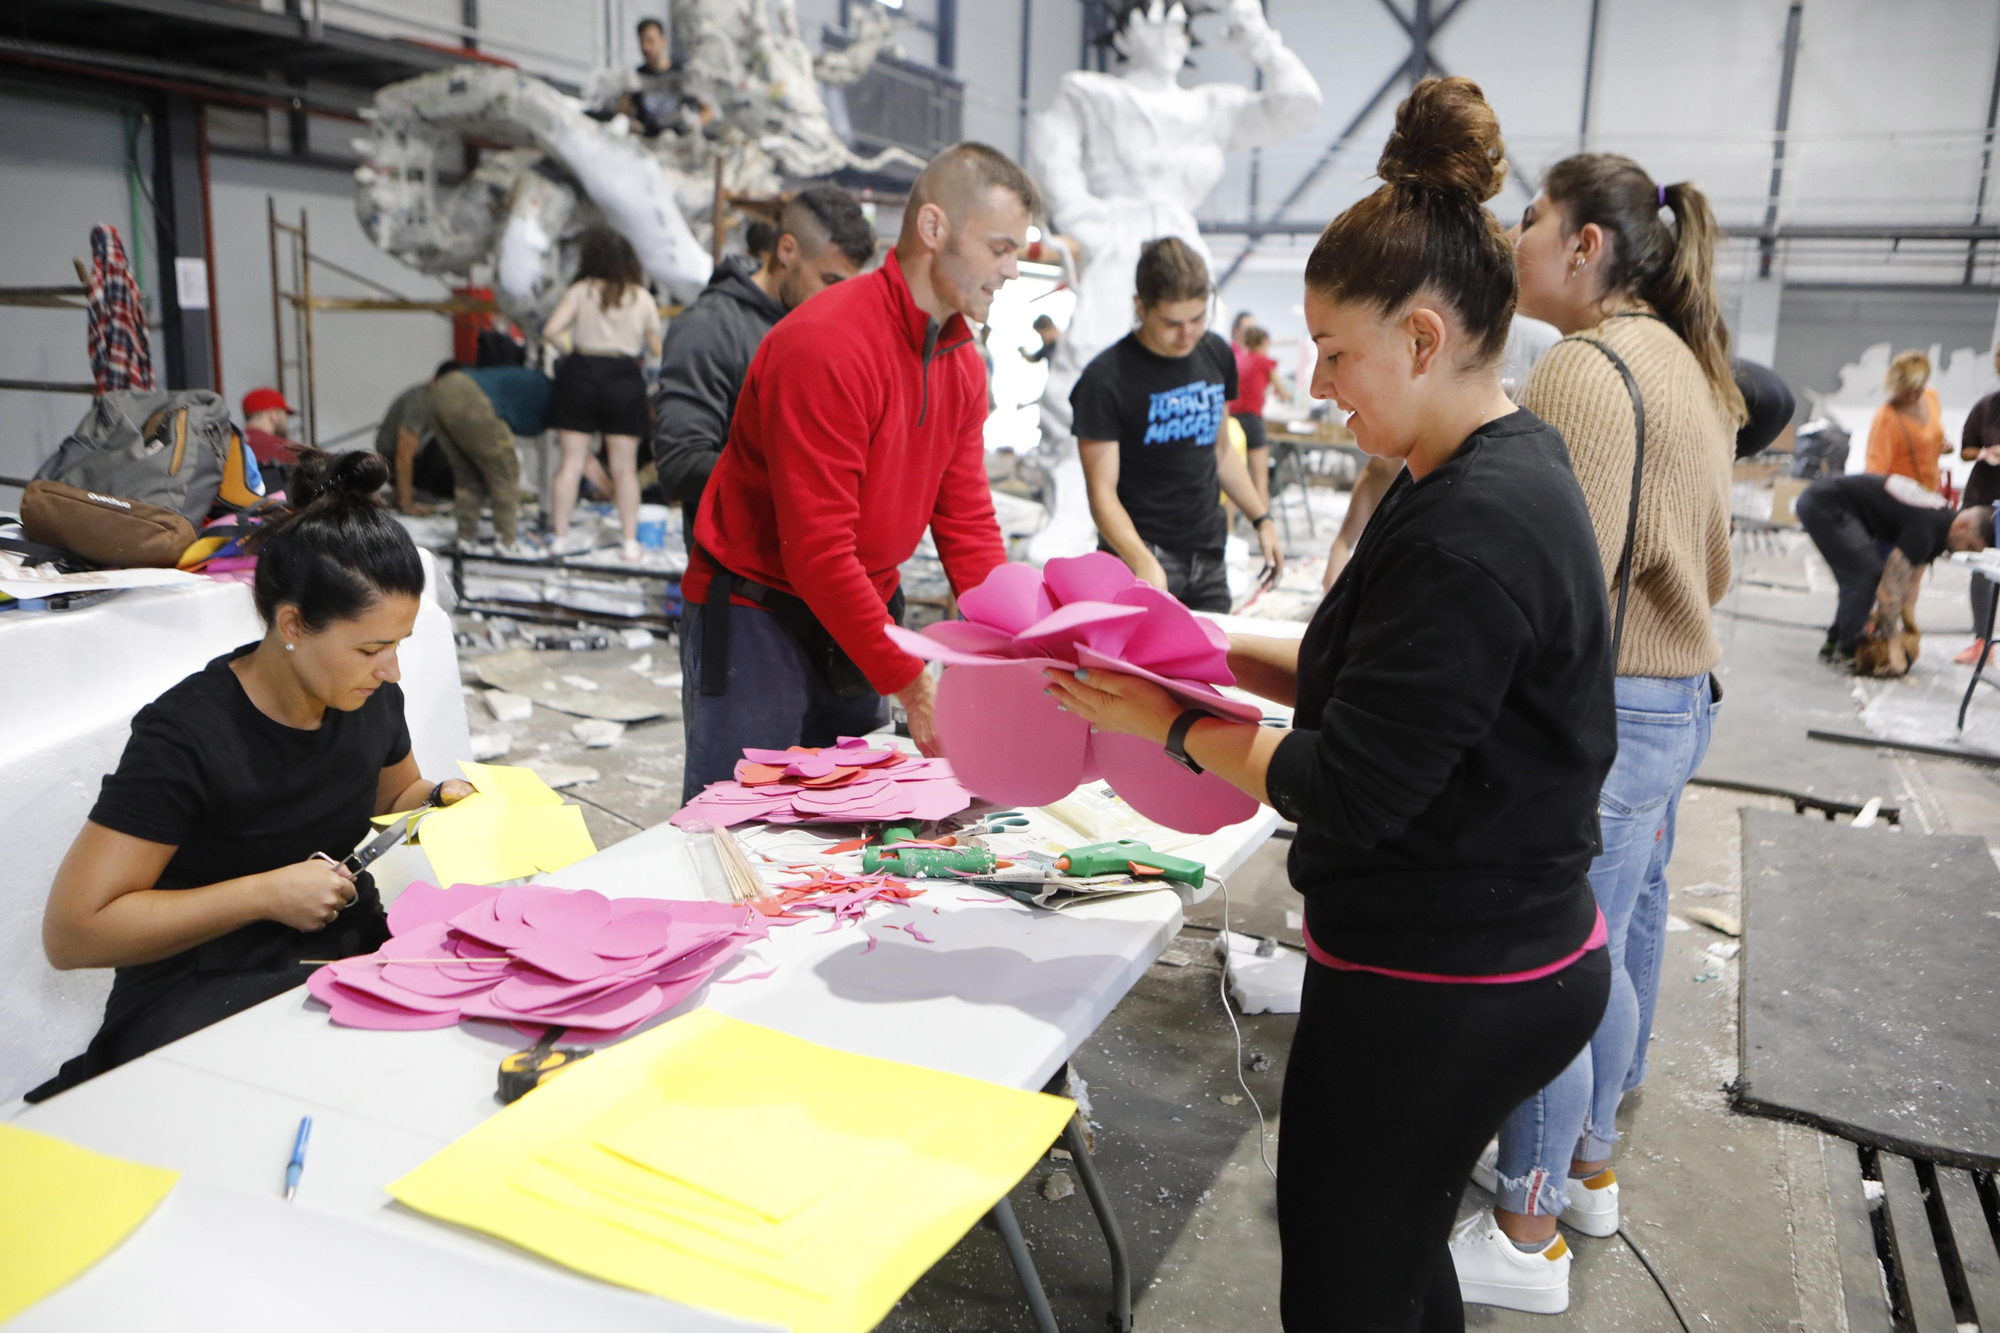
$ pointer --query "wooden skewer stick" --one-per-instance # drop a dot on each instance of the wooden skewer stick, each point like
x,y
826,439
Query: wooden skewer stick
x,y
381,962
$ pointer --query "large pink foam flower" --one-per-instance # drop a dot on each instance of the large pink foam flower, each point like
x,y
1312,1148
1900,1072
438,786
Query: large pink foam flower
x,y
1008,742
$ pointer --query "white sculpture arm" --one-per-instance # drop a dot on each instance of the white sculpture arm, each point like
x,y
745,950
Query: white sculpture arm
x,y
1290,101
1055,155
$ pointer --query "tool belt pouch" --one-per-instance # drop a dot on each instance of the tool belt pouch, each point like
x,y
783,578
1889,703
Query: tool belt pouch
x,y
104,529
829,661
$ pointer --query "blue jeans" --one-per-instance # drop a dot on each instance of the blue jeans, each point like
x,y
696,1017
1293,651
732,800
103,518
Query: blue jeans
x,y
775,699
1663,731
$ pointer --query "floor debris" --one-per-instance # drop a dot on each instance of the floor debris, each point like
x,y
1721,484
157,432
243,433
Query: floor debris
x,y
597,733
580,683
562,775
1714,920
1058,1186
488,745
517,672
507,707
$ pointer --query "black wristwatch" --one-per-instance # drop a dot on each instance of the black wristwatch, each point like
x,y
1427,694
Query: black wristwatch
x,y
1261,520
1177,739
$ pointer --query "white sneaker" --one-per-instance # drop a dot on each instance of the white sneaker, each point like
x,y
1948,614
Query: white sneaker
x,y
1491,1271
577,541
519,549
1593,1202
631,553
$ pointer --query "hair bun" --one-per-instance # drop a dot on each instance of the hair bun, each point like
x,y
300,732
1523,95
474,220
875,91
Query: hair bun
x,y
354,475
1446,138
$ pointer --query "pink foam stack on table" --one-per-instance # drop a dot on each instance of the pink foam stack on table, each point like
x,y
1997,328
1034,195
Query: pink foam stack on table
x,y
1007,740
535,957
848,783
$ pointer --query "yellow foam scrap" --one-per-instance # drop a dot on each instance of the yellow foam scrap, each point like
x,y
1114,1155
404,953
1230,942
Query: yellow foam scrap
x,y
551,836
522,786
62,1208
941,1151
470,842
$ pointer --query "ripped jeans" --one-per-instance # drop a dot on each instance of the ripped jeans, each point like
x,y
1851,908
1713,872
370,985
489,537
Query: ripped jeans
x,y
1663,731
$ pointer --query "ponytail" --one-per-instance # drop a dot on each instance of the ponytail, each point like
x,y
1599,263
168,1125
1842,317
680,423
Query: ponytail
x,y
1671,267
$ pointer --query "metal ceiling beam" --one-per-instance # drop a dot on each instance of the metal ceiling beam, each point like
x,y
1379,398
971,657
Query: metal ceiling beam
x,y
1414,66
1793,17
1985,169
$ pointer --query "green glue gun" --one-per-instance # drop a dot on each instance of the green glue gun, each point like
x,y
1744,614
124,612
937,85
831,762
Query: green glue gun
x,y
1128,857
922,862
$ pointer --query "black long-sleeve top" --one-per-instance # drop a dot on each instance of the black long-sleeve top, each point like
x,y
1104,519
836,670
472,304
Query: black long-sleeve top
x,y
1455,720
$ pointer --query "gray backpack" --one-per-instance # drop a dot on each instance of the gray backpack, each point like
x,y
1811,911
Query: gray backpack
x,y
176,449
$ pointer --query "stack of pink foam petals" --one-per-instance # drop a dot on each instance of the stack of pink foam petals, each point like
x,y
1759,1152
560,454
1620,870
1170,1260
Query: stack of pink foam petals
x,y
1009,742
535,957
849,783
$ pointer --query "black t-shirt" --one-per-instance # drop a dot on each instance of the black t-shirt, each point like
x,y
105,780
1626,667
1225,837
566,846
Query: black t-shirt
x,y
1982,431
1895,510
1455,720
238,793
1165,413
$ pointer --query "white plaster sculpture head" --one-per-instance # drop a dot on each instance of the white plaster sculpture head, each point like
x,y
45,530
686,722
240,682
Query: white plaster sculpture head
x,y
1154,38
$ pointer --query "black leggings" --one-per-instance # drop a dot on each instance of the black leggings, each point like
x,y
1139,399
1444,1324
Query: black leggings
x,y
1392,1090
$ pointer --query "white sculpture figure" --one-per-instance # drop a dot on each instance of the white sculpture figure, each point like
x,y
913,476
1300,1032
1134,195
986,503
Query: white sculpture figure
x,y
1122,159
523,207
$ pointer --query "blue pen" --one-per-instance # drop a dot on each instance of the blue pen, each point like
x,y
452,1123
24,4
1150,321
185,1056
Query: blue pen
x,y
298,1162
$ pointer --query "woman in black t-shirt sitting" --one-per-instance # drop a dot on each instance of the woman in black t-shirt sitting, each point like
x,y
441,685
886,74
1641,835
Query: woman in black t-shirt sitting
x,y
195,876
1453,720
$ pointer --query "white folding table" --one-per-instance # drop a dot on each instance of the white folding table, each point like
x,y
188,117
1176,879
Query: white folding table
x,y
1005,993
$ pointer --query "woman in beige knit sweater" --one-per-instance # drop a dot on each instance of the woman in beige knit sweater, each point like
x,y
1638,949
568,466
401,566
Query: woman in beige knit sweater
x,y
1622,265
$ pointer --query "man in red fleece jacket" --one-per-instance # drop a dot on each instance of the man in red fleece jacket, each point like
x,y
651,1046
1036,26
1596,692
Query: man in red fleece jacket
x,y
860,424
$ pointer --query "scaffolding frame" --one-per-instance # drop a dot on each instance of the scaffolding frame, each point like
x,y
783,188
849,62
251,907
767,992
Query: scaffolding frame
x,y
298,299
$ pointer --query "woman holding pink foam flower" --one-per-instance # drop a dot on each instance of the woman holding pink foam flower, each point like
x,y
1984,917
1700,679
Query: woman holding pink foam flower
x,y
1453,721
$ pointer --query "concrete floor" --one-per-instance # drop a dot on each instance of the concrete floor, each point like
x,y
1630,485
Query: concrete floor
x,y
1735,1213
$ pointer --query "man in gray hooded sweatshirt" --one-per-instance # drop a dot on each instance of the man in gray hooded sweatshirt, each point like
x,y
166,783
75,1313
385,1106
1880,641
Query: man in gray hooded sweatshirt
x,y
822,237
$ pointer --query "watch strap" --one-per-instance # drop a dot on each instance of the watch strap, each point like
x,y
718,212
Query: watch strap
x,y
1177,739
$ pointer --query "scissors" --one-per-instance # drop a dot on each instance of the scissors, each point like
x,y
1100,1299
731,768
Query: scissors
x,y
367,854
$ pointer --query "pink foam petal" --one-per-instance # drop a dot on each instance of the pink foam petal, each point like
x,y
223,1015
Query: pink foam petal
x,y
531,993
918,935
632,935
421,903
1006,739
872,942
932,651
425,941
575,914
1011,599
1163,791
480,924
778,757
938,800
1104,625
1096,576
441,981
810,766
749,976
1192,692
1172,636
614,1009
352,1009
512,903
968,636
562,957
375,985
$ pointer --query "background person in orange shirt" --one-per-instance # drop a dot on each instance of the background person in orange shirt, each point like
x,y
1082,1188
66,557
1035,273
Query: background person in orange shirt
x,y
1907,437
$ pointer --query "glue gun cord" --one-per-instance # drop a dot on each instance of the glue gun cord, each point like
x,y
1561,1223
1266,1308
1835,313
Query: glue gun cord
x,y
1222,987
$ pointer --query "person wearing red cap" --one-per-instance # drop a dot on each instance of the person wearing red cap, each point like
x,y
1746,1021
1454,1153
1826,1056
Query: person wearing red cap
x,y
266,429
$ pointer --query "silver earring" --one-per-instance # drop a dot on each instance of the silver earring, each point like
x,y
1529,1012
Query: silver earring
x,y
290,646
1576,266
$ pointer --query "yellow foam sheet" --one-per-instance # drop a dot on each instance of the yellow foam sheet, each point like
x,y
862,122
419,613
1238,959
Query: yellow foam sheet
x,y
727,1166
514,825
62,1208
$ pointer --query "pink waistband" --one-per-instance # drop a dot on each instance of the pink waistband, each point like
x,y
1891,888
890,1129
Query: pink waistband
x,y
1598,935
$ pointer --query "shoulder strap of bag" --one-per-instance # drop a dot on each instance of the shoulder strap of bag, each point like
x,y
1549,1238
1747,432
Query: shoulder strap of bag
x,y
1632,509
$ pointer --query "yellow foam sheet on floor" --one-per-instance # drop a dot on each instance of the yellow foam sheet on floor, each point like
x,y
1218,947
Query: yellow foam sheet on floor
x,y
62,1208
514,825
728,1166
